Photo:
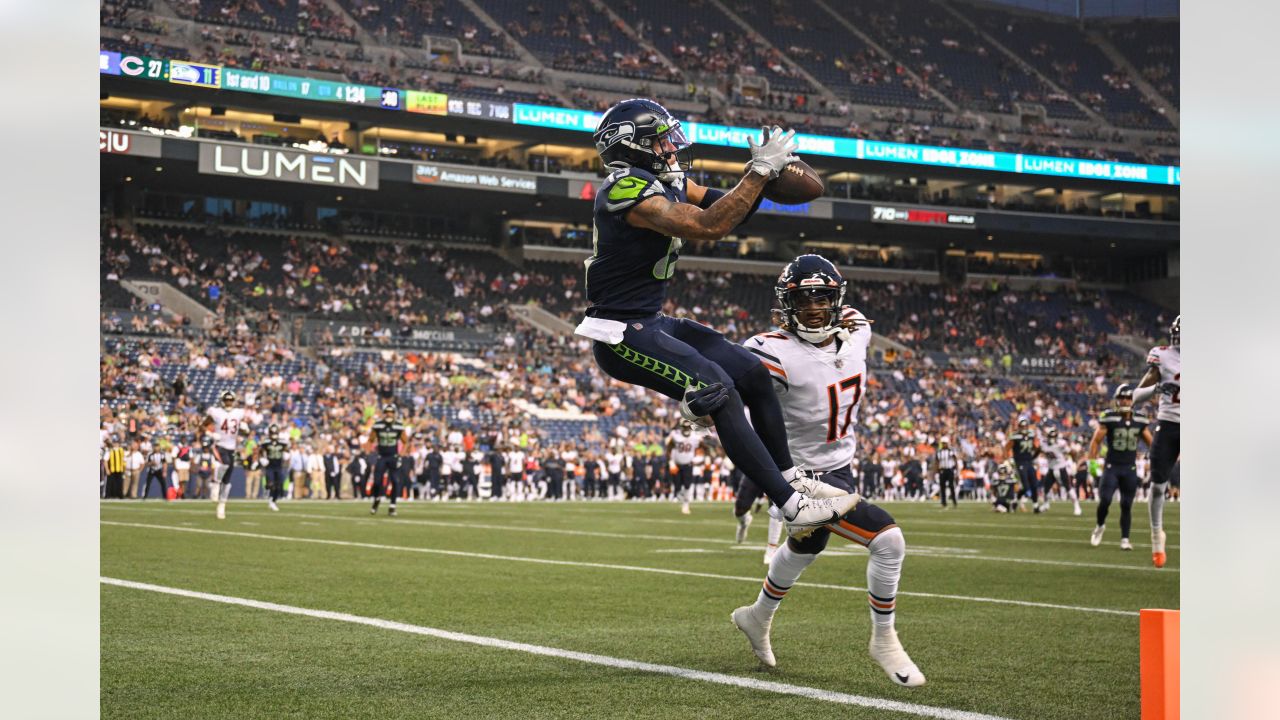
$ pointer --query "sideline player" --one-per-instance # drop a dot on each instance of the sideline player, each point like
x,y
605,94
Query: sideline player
x,y
644,211
1163,378
818,363
1058,453
386,433
1121,428
1023,446
682,445
227,423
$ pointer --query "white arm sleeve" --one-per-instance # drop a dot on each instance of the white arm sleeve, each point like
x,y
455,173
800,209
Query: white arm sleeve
x,y
1141,395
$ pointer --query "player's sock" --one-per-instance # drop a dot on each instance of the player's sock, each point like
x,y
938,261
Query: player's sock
x,y
884,569
774,535
1156,505
748,453
783,572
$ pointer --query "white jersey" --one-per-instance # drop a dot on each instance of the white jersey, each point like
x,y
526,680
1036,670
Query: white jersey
x,y
226,426
613,463
683,446
1058,453
820,389
1168,360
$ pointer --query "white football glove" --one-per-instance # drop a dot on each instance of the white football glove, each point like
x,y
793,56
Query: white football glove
x,y
774,152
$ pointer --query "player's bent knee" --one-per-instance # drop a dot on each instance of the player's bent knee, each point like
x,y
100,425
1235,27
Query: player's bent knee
x,y
889,544
812,544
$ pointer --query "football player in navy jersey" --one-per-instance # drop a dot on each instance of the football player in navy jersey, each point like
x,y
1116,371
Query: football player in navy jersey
x,y
644,211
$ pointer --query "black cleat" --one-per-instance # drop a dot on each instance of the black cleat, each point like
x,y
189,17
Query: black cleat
x,y
391,511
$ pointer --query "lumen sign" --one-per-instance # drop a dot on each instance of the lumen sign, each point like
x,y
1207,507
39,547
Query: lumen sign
x,y
288,166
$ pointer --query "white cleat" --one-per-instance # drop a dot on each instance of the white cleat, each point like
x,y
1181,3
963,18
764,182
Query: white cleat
x,y
817,512
684,509
757,632
222,511
272,504
1076,511
887,651
1125,544
806,483
1096,538
744,522
769,552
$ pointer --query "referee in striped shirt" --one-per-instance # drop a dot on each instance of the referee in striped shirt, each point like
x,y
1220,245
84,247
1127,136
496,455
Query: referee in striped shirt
x,y
114,459
948,463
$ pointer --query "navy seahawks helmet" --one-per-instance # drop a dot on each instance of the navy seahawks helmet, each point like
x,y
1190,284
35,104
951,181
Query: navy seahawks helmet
x,y
641,133
1175,332
1122,399
813,277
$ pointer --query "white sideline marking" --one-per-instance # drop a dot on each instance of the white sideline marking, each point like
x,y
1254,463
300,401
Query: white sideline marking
x,y
619,663
608,566
911,550
1017,538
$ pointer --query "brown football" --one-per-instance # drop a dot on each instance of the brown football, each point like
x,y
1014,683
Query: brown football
x,y
796,184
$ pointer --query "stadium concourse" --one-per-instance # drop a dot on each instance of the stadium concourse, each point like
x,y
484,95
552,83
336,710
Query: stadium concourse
x,y
532,397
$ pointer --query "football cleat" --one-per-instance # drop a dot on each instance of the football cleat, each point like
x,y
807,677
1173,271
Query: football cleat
x,y
744,522
1001,508
1125,544
806,483
1096,538
887,651
1076,511
274,507
814,513
374,510
769,552
221,514
757,632
391,511
684,508
1158,557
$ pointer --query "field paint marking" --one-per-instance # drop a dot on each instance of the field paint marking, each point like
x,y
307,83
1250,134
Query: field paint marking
x,y
716,541
811,693
1017,538
608,566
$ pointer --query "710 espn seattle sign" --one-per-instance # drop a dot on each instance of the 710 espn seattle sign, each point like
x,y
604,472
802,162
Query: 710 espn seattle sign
x,y
288,165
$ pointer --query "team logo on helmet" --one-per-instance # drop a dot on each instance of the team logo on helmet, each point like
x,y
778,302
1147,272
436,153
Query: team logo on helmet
x,y
614,133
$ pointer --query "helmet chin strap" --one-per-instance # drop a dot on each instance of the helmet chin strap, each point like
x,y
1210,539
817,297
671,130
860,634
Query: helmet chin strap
x,y
814,336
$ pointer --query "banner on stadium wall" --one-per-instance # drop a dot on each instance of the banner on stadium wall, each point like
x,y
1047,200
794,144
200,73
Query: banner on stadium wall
x,y
480,109
1039,365
426,103
724,136
288,165
123,142
933,217
473,177
225,78
419,337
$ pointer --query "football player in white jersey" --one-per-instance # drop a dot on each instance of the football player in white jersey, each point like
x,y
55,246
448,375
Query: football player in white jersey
x,y
682,445
226,423
1058,454
1164,379
818,362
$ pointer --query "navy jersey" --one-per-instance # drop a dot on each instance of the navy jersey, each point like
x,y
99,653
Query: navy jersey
x,y
1024,446
275,451
1123,436
388,432
629,267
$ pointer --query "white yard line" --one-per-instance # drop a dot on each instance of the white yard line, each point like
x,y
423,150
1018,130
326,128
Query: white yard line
x,y
604,566
928,711
927,550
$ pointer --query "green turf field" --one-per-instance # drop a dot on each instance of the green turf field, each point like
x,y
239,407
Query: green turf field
x,y
1012,616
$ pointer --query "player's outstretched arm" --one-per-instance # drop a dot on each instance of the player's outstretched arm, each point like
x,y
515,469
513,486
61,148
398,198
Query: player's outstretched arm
x,y
1147,386
691,222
